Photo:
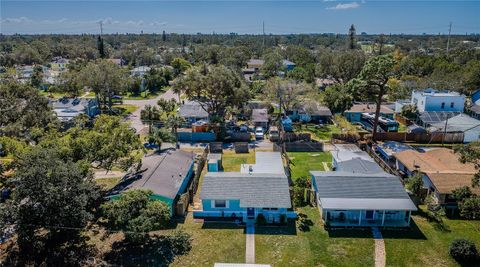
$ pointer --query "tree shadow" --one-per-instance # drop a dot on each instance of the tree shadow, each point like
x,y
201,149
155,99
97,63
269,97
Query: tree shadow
x,y
349,232
157,251
283,229
304,223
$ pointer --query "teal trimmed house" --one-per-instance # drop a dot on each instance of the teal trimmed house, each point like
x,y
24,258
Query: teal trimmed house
x,y
166,174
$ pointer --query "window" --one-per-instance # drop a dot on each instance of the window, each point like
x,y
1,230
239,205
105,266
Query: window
x,y
443,105
452,104
220,203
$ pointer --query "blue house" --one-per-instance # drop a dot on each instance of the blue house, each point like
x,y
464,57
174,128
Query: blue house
x,y
166,174
260,188
288,65
347,199
436,100
354,114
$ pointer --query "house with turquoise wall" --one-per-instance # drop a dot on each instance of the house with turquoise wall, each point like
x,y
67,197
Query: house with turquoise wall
x,y
354,114
349,199
166,174
260,188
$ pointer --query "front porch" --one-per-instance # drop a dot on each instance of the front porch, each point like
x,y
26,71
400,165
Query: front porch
x,y
366,218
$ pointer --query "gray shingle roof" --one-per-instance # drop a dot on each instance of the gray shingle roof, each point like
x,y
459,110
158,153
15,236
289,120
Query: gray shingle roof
x,y
359,166
344,190
260,115
192,109
459,123
253,190
164,173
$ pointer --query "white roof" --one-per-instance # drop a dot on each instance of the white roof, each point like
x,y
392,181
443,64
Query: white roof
x,y
265,162
367,204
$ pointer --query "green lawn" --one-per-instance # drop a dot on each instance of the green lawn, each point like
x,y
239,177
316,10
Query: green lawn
x,y
107,183
124,109
231,161
313,247
319,133
303,162
212,242
426,244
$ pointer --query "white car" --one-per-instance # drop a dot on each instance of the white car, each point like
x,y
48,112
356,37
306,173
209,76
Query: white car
x,y
259,133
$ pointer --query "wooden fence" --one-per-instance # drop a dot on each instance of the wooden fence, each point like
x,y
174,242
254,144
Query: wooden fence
x,y
303,146
381,162
241,147
435,138
292,137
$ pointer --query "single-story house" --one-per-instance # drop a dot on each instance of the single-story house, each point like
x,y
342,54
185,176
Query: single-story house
x,y
310,111
441,170
348,199
388,148
462,123
260,188
260,118
166,174
289,65
192,112
354,114
68,108
428,118
255,64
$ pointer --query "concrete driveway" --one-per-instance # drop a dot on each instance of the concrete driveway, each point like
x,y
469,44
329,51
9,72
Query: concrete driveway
x,y
134,118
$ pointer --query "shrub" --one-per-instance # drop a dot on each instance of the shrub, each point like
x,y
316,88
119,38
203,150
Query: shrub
x,y
180,242
261,219
470,208
463,250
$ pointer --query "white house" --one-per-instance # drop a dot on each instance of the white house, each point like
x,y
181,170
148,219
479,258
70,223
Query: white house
x,y
435,100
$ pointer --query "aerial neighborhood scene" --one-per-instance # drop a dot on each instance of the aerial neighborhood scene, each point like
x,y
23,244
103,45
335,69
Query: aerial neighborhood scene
x,y
240,133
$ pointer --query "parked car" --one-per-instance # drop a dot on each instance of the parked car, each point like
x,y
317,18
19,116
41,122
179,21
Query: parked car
x,y
274,134
259,133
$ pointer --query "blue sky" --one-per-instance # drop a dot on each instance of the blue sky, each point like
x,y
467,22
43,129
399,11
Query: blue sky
x,y
280,16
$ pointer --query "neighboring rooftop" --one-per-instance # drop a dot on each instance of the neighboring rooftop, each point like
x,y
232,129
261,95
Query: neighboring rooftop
x,y
192,109
265,162
359,165
260,115
434,92
345,152
314,108
391,147
355,191
369,108
430,117
459,123
255,62
256,190
164,173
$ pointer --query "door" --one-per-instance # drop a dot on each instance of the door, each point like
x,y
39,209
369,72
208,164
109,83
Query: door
x,y
251,213
369,214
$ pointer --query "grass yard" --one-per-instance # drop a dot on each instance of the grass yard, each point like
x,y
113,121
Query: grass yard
x,y
303,162
107,183
212,242
124,109
319,133
141,96
426,244
313,247
231,161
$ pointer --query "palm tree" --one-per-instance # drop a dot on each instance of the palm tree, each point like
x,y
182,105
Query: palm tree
x,y
148,115
161,135
174,122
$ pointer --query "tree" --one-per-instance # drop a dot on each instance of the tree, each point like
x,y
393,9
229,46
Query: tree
x,y
286,92
216,88
272,64
373,80
415,184
22,107
409,111
463,251
351,37
149,115
105,78
37,77
470,208
471,154
164,36
462,193
52,202
101,47
337,98
160,136
180,65
137,214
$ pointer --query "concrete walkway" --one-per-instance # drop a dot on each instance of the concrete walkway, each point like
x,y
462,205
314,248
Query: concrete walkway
x,y
250,246
380,254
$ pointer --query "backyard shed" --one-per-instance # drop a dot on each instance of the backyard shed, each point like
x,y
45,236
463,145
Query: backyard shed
x,y
214,162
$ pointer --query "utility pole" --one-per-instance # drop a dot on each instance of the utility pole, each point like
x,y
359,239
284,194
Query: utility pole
x,y
445,131
448,40
263,30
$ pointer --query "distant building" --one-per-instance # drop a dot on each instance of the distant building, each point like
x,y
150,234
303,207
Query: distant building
x,y
435,100
59,64
139,71
260,118
310,111
192,112
69,108
354,114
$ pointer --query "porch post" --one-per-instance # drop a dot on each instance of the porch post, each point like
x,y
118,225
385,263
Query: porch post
x,y
360,218
383,217
326,216
409,214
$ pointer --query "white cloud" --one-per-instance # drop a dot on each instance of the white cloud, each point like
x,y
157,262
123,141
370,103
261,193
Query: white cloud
x,y
345,6
16,20
158,23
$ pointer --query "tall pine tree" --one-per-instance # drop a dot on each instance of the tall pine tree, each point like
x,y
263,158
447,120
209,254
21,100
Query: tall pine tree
x,y
101,47
351,35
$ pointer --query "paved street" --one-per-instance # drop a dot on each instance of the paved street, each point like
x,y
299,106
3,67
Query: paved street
x,y
134,118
